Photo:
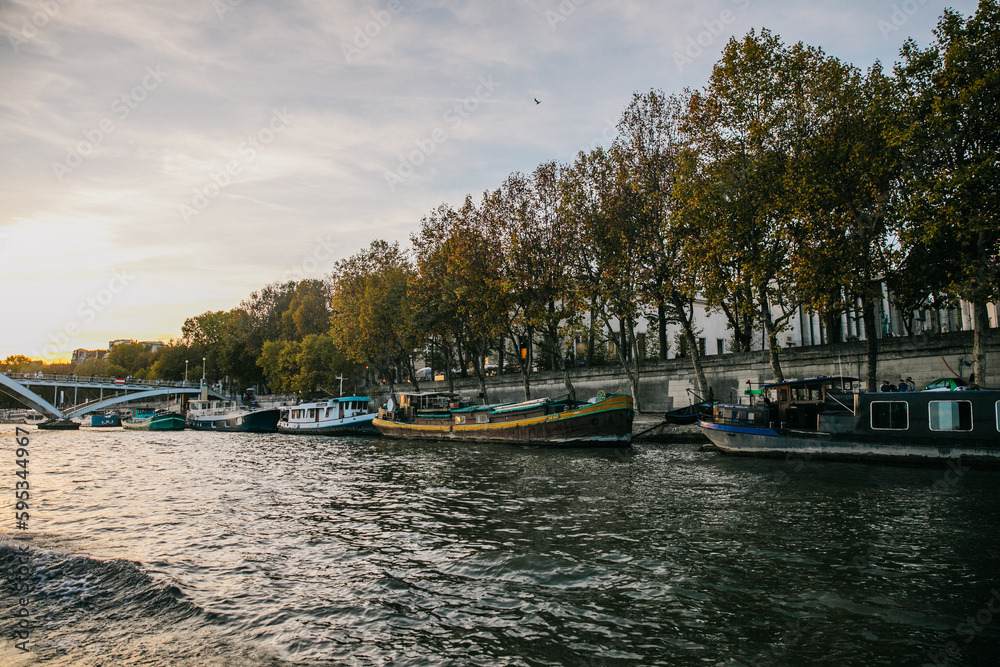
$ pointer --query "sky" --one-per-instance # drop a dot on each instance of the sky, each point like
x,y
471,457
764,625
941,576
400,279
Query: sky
x,y
163,159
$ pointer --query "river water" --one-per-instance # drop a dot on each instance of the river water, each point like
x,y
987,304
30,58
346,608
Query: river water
x,y
193,548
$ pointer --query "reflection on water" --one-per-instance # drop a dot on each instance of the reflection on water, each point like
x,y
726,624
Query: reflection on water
x,y
187,548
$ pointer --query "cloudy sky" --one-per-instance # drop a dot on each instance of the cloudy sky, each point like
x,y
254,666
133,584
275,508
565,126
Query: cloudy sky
x,y
161,159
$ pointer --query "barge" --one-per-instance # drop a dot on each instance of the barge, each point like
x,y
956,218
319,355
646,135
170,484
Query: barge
x,y
827,418
605,421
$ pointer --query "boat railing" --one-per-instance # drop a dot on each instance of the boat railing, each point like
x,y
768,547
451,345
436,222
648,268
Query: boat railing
x,y
213,412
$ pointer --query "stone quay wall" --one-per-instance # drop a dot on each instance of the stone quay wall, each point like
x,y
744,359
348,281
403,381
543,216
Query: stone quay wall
x,y
664,385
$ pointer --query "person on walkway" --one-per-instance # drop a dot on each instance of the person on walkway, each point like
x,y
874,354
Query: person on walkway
x,y
909,382
902,386
885,386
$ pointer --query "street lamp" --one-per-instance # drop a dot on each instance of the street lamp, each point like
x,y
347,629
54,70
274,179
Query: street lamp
x,y
203,370
185,372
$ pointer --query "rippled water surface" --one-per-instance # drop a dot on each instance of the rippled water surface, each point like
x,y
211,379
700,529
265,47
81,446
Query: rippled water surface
x,y
197,548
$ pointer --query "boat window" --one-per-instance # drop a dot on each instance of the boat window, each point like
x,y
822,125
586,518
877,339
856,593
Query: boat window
x,y
815,393
890,415
783,395
950,415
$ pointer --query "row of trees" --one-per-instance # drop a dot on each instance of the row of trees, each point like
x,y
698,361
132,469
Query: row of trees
x,y
791,179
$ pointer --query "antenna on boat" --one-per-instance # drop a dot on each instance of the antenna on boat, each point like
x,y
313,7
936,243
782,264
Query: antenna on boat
x,y
341,378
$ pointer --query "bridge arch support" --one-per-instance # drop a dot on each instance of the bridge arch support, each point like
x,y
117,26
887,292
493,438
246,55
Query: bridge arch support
x,y
28,397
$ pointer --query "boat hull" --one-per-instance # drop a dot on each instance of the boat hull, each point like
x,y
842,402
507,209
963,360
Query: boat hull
x,y
809,445
607,423
258,421
102,421
348,426
59,425
166,422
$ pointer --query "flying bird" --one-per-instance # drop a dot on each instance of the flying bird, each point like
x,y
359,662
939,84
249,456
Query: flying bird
x,y
536,101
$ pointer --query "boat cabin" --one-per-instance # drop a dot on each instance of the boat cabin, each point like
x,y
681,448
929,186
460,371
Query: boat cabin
x,y
797,403
794,404
426,403
334,408
210,407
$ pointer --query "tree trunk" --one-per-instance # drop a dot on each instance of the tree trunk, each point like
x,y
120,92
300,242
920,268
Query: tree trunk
x,y
412,372
661,329
590,338
772,335
459,348
500,356
567,380
687,326
871,342
478,367
620,351
981,323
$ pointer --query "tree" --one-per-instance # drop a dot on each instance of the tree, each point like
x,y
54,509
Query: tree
x,y
373,319
650,145
170,361
16,363
737,130
951,192
133,357
840,183
481,303
308,312
606,219
280,365
433,287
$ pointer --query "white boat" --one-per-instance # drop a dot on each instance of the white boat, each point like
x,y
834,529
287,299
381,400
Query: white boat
x,y
347,415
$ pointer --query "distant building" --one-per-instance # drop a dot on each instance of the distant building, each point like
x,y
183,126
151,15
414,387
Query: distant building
x,y
154,345
80,355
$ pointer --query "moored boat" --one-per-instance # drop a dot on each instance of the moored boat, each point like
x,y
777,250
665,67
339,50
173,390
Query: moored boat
x,y
161,420
604,421
822,418
215,415
59,425
346,415
687,415
107,420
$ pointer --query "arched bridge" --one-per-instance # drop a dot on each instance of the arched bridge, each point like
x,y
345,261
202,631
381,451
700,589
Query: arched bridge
x,y
140,391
